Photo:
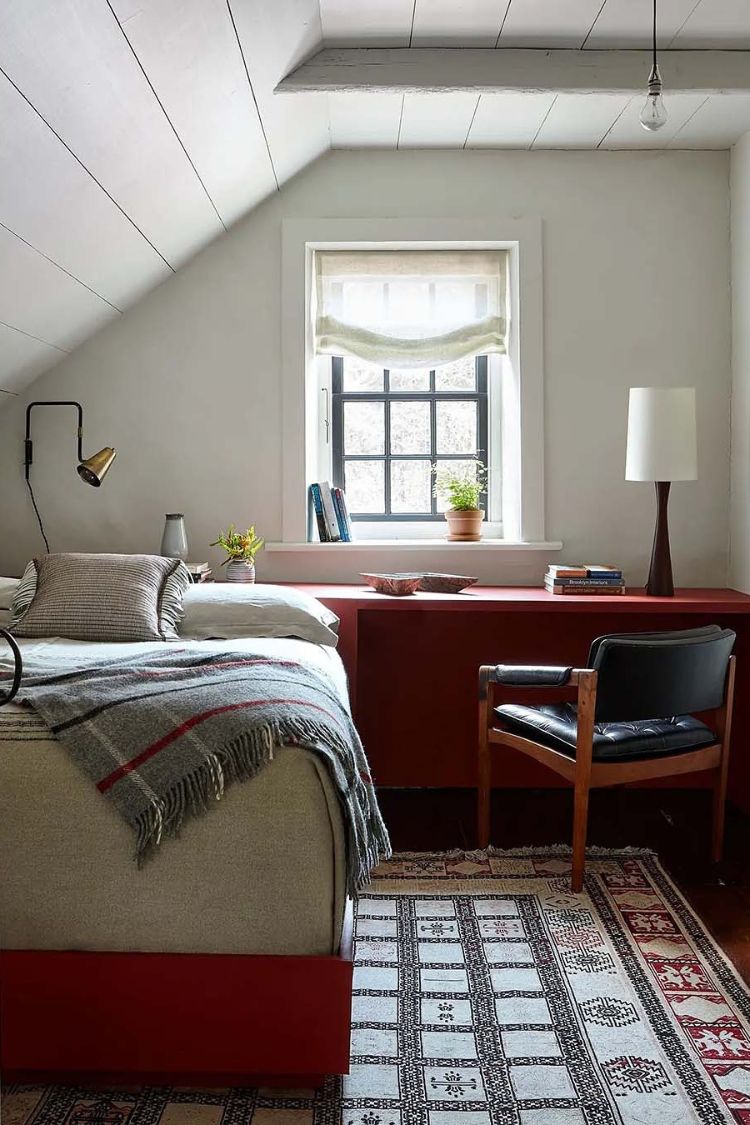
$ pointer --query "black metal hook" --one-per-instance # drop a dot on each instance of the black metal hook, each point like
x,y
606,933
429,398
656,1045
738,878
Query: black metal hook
x,y
18,670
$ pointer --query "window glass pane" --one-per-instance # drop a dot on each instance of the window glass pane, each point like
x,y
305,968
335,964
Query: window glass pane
x,y
462,468
410,427
409,380
456,427
411,482
364,486
361,376
458,376
364,427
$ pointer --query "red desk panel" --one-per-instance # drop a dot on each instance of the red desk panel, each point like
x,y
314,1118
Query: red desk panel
x,y
413,663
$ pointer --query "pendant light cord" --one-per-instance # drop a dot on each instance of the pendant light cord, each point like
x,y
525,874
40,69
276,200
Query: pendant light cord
x,y
38,517
654,35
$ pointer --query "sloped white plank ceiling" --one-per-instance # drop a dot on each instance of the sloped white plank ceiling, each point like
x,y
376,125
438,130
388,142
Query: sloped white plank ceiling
x,y
133,132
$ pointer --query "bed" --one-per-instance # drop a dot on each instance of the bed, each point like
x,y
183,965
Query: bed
x,y
225,957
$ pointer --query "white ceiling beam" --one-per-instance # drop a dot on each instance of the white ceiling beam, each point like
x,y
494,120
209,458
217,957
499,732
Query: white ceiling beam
x,y
481,70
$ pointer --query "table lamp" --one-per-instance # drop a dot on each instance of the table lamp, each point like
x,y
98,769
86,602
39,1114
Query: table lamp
x,y
662,447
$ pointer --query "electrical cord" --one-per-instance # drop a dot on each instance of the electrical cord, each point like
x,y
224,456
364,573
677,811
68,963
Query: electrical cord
x,y
38,517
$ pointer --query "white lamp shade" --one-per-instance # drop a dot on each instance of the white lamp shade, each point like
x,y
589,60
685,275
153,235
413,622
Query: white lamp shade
x,y
662,442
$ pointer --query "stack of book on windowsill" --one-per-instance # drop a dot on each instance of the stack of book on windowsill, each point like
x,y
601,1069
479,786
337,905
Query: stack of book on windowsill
x,y
586,578
329,513
199,572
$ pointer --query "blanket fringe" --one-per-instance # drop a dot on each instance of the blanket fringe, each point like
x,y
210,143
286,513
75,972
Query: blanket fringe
x,y
243,758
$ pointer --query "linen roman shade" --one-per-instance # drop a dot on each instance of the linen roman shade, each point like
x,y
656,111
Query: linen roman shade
x,y
410,308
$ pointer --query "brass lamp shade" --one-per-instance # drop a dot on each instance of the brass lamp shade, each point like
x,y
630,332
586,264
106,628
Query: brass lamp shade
x,y
95,468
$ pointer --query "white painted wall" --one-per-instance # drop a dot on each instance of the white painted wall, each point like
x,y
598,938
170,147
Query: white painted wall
x,y
739,570
187,384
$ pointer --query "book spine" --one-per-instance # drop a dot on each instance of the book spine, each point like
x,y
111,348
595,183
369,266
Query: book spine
x,y
339,514
345,510
587,581
319,513
584,572
603,590
566,572
328,510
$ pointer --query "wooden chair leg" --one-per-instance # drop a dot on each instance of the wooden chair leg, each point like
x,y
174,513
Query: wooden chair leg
x,y
724,731
584,752
483,796
717,823
580,829
484,784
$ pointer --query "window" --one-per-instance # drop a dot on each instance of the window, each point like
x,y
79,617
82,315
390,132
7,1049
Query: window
x,y
331,307
390,429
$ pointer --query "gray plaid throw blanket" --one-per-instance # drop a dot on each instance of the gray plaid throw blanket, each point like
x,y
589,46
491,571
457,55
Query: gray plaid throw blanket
x,y
162,735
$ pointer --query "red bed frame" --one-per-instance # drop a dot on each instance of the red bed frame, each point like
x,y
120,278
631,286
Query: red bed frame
x,y
171,1018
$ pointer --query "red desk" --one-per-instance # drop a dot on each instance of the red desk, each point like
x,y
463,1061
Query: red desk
x,y
413,663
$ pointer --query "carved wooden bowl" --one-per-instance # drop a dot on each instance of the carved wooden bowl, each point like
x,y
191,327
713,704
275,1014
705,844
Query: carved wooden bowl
x,y
397,585
445,583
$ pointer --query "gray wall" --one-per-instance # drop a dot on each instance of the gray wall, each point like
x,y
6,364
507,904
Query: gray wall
x,y
187,384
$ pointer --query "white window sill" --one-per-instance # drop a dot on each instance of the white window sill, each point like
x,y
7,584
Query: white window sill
x,y
364,545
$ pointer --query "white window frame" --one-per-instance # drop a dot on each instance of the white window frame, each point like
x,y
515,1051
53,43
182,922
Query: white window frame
x,y
522,408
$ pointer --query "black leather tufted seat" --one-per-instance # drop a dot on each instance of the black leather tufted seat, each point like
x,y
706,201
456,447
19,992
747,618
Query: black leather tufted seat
x,y
555,725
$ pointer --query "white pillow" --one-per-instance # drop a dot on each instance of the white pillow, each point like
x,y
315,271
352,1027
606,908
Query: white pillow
x,y
228,611
8,587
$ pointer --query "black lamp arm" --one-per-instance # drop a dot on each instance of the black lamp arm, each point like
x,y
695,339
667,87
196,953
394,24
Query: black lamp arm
x,y
17,670
28,444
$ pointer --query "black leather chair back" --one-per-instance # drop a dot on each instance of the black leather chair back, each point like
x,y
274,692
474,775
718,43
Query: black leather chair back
x,y
658,675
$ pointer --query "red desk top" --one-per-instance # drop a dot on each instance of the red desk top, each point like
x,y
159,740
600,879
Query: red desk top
x,y
535,599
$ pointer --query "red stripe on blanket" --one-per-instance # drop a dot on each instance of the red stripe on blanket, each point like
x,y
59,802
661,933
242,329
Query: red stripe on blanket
x,y
128,767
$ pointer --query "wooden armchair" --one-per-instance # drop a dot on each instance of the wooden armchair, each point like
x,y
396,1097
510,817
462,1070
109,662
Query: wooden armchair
x,y
610,735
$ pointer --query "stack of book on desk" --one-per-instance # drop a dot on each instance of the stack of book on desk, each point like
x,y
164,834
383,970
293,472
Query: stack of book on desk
x,y
199,572
587,578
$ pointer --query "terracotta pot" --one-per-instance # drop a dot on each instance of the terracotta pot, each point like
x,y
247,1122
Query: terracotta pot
x,y
465,527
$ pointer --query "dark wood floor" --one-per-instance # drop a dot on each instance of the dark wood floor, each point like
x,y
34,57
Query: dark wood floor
x,y
675,823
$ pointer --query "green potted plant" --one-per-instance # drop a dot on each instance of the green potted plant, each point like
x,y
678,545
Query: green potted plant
x,y
461,488
241,548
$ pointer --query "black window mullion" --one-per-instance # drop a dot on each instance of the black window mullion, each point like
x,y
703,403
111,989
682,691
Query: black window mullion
x,y
433,447
483,451
337,422
433,396
387,447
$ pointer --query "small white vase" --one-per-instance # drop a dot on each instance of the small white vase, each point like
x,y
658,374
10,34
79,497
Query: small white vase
x,y
174,544
238,570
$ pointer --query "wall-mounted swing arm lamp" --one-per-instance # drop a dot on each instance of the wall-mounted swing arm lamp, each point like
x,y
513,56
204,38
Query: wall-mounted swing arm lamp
x,y
92,469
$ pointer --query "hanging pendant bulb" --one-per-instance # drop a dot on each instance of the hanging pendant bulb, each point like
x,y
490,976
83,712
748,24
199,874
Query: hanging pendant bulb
x,y
654,113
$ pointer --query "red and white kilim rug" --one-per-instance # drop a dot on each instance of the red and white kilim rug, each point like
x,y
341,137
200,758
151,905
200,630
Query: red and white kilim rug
x,y
487,994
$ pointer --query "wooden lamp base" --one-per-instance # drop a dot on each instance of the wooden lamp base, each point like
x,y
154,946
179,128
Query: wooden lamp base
x,y
660,584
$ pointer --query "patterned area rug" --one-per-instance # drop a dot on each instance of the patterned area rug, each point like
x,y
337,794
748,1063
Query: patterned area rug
x,y
487,994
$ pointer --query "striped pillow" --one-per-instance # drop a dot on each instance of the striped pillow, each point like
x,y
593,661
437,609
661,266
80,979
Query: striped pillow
x,y
100,597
